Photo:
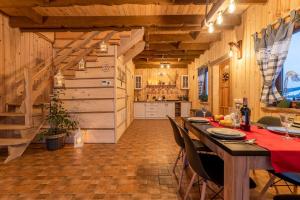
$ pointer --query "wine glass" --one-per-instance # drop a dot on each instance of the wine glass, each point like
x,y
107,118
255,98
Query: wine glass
x,y
204,111
287,121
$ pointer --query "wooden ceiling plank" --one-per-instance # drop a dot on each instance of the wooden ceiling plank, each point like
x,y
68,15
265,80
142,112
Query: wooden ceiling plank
x,y
65,3
57,22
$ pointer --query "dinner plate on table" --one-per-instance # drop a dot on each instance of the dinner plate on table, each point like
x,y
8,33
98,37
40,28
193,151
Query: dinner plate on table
x,y
282,130
198,120
226,133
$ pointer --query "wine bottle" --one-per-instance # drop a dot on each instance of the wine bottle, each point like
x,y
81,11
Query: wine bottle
x,y
245,115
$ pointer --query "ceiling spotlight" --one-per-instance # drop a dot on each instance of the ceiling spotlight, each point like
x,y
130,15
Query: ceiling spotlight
x,y
220,18
211,27
231,6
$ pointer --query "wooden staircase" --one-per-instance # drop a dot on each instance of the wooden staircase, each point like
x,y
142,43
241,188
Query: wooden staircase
x,y
20,123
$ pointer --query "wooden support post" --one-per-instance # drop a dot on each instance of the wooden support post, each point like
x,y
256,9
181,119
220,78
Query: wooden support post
x,y
28,96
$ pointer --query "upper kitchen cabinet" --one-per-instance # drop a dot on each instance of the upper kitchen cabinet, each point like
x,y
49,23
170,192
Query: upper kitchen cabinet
x,y
184,82
138,84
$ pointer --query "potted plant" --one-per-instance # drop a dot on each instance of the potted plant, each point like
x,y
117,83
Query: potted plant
x,y
60,124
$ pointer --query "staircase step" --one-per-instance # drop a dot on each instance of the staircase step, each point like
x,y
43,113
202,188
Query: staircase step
x,y
13,141
16,114
11,114
13,127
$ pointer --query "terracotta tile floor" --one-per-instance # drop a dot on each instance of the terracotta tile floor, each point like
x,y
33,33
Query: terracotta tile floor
x,y
138,167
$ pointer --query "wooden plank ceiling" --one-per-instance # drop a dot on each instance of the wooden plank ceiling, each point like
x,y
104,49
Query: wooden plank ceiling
x,y
174,29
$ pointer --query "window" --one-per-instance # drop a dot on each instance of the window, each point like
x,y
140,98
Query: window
x,y
290,79
203,83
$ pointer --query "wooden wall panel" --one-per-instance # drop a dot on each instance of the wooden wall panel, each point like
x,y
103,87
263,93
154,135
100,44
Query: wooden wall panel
x,y
95,73
89,105
87,93
18,50
99,136
245,74
95,120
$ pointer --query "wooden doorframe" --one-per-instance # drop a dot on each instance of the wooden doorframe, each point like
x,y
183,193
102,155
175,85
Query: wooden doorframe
x,y
211,65
224,62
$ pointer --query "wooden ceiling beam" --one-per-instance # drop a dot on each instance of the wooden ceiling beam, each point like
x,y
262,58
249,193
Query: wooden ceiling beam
x,y
133,52
142,56
26,12
164,60
198,38
150,29
65,3
171,60
143,66
174,52
181,46
83,22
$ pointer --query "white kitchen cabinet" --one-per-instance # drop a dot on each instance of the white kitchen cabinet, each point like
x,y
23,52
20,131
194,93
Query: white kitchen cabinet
x,y
185,109
139,110
154,110
170,110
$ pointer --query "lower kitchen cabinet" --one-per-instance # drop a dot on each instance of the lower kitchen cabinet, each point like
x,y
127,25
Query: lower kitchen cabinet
x,y
159,110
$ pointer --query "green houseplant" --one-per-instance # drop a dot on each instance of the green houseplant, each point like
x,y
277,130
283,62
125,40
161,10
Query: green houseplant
x,y
60,124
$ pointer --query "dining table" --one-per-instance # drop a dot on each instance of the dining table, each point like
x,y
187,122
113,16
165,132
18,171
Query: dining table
x,y
239,158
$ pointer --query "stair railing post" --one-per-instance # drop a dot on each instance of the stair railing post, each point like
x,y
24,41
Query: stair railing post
x,y
28,96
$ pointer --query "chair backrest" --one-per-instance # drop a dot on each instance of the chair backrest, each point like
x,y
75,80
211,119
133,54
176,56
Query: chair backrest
x,y
270,121
199,113
178,138
192,155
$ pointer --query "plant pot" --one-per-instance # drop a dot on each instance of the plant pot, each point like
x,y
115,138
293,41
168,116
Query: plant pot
x,y
55,142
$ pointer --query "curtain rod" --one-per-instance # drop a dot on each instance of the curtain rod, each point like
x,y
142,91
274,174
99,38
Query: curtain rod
x,y
284,17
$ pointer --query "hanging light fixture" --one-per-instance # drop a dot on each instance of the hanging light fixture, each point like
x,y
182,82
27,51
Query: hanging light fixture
x,y
211,27
168,65
59,80
220,18
162,65
231,6
103,47
81,64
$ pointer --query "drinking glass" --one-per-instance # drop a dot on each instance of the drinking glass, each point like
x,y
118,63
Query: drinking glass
x,y
287,121
204,111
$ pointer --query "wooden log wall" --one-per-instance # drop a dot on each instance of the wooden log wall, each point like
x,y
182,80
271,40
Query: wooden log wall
x,y
19,50
245,75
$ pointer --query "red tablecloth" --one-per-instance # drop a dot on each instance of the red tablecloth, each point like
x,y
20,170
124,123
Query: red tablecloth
x,y
285,154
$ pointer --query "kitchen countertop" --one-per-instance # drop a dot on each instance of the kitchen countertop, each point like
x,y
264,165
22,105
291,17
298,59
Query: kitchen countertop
x,y
166,101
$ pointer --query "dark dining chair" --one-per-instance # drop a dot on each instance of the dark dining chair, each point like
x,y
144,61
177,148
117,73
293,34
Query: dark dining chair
x,y
179,140
207,166
292,178
199,113
270,121
287,197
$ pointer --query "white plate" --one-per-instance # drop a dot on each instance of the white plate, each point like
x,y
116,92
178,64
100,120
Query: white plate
x,y
278,129
198,119
226,133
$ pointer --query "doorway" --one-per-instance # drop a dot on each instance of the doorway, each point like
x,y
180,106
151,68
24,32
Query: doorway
x,y
224,87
